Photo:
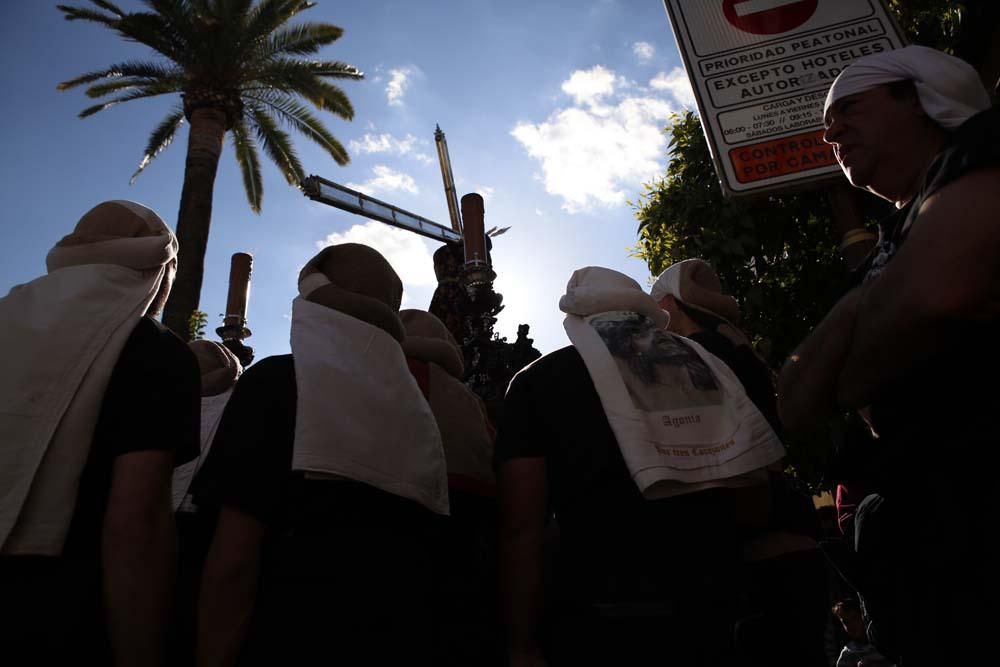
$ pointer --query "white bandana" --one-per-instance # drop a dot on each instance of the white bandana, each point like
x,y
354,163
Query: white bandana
x,y
949,89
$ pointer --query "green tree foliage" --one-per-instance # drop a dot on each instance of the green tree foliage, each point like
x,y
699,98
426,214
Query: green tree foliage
x,y
197,325
239,69
934,23
775,253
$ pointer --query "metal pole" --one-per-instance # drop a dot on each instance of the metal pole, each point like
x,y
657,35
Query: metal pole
x,y
449,180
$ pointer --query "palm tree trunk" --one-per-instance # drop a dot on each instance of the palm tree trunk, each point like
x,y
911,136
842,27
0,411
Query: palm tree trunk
x,y
208,129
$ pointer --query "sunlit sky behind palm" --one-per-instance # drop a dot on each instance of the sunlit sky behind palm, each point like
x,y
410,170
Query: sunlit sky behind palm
x,y
553,111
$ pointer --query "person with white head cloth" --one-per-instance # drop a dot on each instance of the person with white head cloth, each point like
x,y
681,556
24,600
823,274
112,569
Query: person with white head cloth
x,y
691,293
220,370
98,403
653,459
327,475
915,347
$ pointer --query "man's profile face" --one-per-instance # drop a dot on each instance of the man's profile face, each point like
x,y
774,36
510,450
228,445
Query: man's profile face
x,y
870,131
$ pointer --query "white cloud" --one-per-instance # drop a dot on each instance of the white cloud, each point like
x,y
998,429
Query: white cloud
x,y
600,150
539,213
386,179
590,86
676,83
486,192
408,253
399,81
386,143
644,51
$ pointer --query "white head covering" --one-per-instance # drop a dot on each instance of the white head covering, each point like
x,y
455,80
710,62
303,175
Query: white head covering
x,y
595,289
360,414
949,89
695,282
62,335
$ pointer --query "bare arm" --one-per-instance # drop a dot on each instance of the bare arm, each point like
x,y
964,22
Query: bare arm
x,y
522,493
138,552
946,272
228,588
807,386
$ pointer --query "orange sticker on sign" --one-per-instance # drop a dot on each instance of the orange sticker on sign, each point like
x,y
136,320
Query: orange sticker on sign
x,y
787,155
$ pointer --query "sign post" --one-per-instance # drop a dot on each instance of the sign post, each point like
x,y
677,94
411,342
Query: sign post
x,y
761,69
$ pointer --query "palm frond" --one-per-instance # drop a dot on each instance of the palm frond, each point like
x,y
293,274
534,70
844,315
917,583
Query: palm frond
x,y
167,38
161,137
269,15
303,121
233,10
108,6
334,69
148,70
173,84
249,161
175,11
202,7
301,39
296,77
277,144
135,95
80,14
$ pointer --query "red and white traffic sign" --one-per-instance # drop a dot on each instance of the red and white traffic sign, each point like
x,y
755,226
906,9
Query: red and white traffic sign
x,y
760,70
768,17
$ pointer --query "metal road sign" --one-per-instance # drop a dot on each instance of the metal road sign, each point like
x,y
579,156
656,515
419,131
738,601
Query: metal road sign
x,y
761,69
336,195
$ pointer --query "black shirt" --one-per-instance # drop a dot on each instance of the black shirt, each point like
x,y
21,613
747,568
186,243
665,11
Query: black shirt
x,y
250,462
615,544
153,402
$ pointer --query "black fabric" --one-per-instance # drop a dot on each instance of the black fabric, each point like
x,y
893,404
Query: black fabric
x,y
52,606
249,465
346,568
785,611
939,427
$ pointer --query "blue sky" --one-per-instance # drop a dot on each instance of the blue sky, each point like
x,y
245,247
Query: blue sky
x,y
553,111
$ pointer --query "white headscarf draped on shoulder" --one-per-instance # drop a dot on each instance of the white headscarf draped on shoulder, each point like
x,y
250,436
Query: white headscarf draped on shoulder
x,y
680,416
360,414
61,337
949,89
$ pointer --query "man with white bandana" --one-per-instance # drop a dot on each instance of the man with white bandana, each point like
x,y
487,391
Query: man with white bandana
x,y
652,459
98,403
327,473
915,347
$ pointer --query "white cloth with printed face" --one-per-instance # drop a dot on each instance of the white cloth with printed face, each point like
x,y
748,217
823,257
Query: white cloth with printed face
x,y
680,416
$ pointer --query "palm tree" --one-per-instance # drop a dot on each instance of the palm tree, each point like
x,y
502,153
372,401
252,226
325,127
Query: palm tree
x,y
235,64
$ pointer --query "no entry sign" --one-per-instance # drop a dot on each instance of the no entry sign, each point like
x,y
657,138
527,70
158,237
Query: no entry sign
x,y
768,17
760,70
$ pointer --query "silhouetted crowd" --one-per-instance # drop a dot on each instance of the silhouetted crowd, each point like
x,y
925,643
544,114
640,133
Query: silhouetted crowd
x,y
353,502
